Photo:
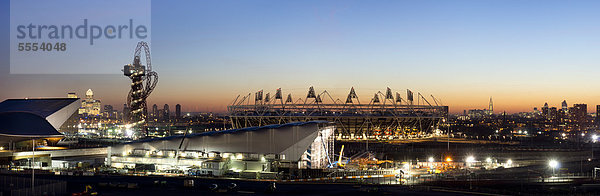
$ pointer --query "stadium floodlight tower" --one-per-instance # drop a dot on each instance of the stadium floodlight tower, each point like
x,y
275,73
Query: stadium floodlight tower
x,y
136,100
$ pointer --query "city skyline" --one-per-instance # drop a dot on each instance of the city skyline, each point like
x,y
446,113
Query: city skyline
x,y
521,53
311,97
490,105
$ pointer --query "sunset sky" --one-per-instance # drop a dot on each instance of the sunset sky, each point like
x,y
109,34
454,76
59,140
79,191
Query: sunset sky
x,y
521,53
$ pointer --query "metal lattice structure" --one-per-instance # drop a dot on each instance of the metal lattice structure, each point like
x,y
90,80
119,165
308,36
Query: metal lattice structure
x,y
383,117
136,100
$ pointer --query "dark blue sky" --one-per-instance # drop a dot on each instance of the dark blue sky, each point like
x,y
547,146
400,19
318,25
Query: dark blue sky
x,y
523,53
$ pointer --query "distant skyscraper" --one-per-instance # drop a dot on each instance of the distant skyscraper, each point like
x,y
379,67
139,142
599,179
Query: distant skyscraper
x,y
89,105
89,94
552,113
579,115
545,111
166,111
177,111
477,113
491,107
565,107
109,111
155,111
108,108
597,114
125,112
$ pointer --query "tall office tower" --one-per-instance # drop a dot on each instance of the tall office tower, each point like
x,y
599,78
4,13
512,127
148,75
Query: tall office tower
x,y
598,115
108,108
553,113
89,95
491,107
84,109
154,111
125,113
96,106
177,111
161,114
565,110
109,111
89,105
579,116
166,111
545,111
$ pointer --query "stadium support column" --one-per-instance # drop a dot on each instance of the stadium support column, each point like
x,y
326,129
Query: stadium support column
x,y
109,156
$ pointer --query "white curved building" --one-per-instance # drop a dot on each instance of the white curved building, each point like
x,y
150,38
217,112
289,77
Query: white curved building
x,y
253,149
26,119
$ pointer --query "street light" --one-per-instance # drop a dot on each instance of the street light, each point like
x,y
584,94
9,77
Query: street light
x,y
553,164
509,162
431,159
470,159
488,160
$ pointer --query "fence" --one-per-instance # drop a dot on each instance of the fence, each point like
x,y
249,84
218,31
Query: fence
x,y
21,186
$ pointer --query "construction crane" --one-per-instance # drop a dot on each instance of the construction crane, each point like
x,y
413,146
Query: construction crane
x,y
136,99
339,163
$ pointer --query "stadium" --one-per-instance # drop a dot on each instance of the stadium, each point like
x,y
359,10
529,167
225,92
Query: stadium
x,y
383,117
